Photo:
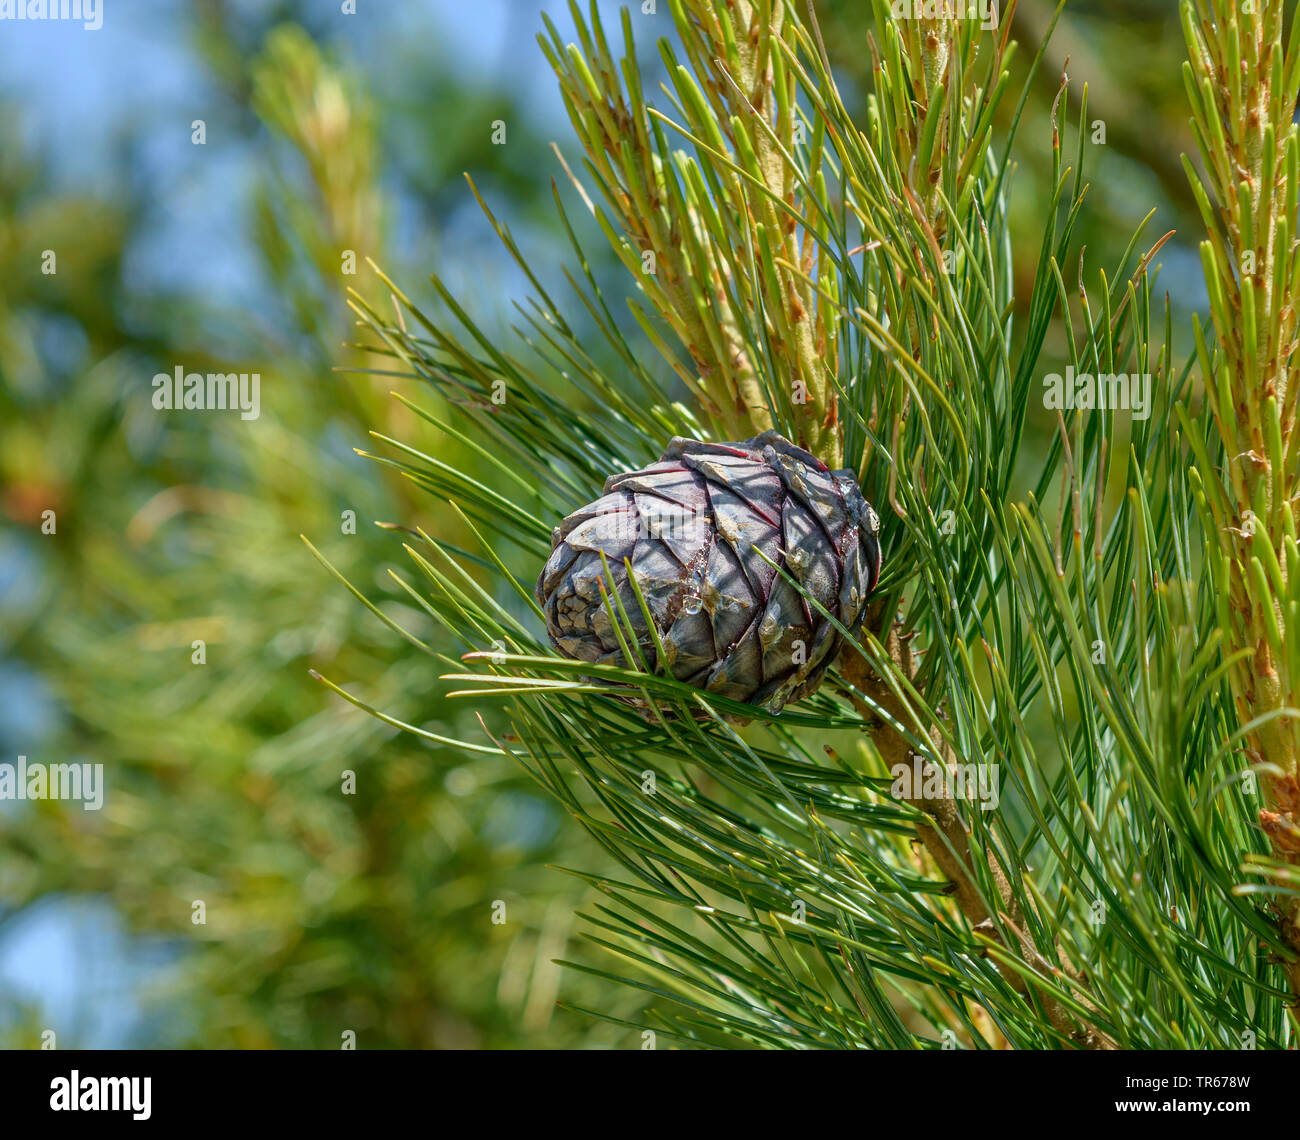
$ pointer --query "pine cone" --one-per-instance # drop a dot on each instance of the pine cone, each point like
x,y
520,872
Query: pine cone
x,y
689,524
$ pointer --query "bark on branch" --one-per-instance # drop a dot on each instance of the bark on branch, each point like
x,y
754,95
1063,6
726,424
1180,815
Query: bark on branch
x,y
947,840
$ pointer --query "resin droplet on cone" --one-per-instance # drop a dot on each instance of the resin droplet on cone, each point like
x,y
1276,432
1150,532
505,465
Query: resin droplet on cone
x,y
693,525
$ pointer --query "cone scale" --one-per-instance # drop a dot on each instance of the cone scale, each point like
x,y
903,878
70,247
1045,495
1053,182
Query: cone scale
x,y
717,535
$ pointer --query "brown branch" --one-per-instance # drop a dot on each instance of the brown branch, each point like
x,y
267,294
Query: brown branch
x,y
947,841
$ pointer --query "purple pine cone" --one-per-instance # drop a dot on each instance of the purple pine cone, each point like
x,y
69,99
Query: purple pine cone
x,y
729,623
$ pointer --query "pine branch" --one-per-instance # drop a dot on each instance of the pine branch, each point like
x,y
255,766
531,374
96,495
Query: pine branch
x,y
947,838
769,891
1243,87
687,232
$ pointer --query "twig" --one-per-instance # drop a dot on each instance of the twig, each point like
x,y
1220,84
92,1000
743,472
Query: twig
x,y
947,840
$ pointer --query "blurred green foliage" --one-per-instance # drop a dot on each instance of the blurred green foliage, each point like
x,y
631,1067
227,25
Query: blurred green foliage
x,y
325,912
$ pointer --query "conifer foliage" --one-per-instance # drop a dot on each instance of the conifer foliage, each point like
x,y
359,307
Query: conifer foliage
x,y
1046,797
